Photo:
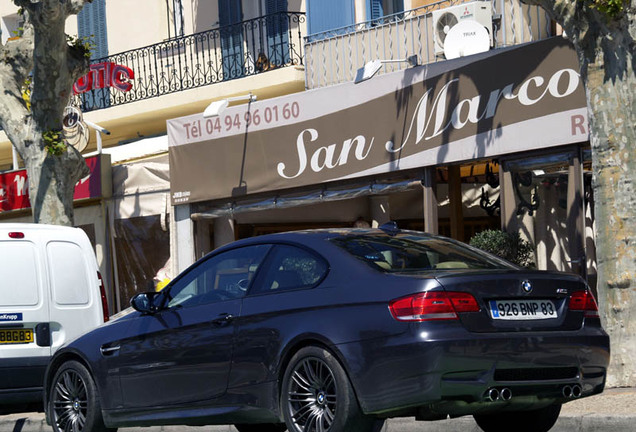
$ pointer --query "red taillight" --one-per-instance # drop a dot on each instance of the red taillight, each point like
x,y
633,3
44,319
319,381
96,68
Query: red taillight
x,y
436,305
584,301
102,292
16,235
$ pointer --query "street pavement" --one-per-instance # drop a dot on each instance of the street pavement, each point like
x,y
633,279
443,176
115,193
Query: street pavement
x,y
612,411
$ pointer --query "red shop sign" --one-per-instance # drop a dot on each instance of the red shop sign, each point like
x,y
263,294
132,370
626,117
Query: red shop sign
x,y
14,187
105,74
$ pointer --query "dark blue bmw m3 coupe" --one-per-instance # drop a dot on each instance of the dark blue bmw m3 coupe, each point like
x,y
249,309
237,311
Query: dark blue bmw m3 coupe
x,y
337,330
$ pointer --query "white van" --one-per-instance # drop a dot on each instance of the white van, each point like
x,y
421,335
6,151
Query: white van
x,y
50,292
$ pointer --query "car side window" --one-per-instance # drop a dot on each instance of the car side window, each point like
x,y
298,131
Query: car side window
x,y
290,267
223,277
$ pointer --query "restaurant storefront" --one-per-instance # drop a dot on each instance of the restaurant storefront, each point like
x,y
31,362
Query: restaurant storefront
x,y
495,140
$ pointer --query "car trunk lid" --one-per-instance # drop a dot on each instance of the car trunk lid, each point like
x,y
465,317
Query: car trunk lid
x,y
518,301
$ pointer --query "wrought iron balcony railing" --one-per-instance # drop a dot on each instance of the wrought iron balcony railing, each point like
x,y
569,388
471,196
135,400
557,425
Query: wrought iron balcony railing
x,y
334,56
218,55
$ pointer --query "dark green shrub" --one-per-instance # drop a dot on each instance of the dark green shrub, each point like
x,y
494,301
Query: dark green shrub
x,y
508,246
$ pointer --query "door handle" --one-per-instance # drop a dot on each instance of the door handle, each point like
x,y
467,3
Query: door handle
x,y
223,319
106,351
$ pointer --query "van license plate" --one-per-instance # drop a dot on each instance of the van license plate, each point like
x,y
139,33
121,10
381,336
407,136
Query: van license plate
x,y
16,336
522,309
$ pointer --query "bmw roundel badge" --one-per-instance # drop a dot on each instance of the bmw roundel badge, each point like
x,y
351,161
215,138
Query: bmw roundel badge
x,y
527,286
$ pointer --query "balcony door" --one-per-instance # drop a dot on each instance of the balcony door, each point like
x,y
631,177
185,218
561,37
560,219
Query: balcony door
x,y
233,59
277,32
379,8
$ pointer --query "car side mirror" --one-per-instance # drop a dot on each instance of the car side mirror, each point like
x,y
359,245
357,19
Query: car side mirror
x,y
144,303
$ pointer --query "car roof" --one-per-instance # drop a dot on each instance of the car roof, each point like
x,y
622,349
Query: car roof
x,y
319,235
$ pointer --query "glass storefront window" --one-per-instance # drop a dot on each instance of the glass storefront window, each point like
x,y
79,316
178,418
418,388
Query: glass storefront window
x,y
142,248
544,209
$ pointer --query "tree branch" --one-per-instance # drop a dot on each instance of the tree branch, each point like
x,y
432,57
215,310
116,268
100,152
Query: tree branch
x,y
69,7
18,54
16,64
73,7
56,65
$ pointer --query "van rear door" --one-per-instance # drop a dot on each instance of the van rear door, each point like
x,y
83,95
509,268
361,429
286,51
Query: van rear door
x,y
75,305
24,315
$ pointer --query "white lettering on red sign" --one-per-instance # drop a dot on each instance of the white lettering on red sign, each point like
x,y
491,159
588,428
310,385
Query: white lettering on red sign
x,y
21,185
14,186
105,74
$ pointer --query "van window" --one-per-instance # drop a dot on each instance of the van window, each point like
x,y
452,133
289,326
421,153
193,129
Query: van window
x,y
69,280
18,274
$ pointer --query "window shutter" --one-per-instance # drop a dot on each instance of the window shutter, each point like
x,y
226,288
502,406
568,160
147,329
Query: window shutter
x,y
375,9
91,23
323,15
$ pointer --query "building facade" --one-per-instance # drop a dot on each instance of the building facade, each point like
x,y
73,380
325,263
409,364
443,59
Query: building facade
x,y
493,140
152,61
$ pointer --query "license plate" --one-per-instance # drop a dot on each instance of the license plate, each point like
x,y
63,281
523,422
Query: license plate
x,y
522,309
16,336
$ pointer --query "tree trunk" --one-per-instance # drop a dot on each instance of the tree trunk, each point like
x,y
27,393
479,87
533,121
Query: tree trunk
x,y
43,52
52,182
611,89
606,49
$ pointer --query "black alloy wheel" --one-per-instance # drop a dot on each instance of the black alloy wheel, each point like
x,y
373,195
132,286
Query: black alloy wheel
x,y
74,401
540,420
317,396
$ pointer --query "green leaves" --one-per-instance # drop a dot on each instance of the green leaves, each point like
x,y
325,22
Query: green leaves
x,y
54,142
84,44
508,246
611,8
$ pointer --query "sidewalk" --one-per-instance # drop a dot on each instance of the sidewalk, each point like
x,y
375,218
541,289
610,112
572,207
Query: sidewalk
x,y
612,411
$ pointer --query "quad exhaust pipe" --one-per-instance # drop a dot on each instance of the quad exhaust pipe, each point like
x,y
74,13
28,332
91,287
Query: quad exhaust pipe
x,y
493,394
572,392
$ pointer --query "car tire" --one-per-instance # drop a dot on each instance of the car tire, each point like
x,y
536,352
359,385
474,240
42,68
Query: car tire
x,y
540,420
74,402
273,427
317,395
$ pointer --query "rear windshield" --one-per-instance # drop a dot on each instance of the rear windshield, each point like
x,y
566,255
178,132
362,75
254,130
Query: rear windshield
x,y
411,253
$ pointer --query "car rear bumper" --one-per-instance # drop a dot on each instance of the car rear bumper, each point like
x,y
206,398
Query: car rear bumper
x,y
433,374
21,379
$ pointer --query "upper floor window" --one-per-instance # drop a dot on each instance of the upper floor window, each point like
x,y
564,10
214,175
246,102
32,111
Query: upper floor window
x,y
175,18
323,15
91,24
379,8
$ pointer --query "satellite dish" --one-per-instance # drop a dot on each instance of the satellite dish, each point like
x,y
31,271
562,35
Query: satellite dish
x,y
76,132
467,37
444,23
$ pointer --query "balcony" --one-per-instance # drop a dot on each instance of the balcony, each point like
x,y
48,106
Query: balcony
x,y
333,57
219,55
